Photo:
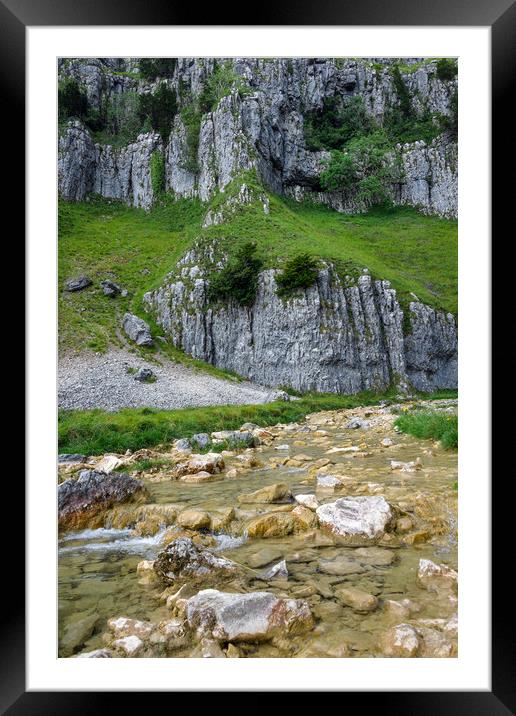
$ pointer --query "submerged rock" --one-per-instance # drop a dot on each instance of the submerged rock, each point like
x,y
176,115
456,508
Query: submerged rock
x,y
183,560
264,556
271,524
436,577
400,641
258,616
277,571
81,501
412,466
76,634
361,517
279,492
357,599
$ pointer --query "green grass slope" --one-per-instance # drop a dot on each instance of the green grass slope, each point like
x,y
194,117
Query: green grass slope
x,y
108,240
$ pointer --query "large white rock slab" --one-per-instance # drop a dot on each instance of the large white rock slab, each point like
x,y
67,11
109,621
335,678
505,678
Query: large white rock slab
x,y
364,517
258,616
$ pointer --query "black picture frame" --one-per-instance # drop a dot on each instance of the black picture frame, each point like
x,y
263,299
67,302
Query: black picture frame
x,y
500,16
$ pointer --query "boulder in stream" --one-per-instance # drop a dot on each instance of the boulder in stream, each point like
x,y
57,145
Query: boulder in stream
x,y
182,560
258,616
363,518
85,499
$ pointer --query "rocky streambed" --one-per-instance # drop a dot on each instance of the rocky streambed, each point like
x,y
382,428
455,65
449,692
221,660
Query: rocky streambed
x,y
334,537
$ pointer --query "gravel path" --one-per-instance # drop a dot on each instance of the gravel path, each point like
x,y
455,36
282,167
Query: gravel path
x,y
102,381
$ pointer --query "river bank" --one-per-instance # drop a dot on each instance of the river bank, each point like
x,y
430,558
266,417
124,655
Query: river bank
x,y
263,506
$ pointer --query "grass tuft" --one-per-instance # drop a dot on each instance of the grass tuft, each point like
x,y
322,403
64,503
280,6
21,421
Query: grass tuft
x,y
431,424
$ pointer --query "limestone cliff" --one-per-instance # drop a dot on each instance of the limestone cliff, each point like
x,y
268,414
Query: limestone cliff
x,y
259,125
332,337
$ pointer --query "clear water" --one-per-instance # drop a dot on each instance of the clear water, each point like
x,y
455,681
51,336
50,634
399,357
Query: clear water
x,y
97,568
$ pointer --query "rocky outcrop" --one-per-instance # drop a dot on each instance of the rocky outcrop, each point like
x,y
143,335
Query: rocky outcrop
x,y
85,167
258,126
137,330
81,502
330,337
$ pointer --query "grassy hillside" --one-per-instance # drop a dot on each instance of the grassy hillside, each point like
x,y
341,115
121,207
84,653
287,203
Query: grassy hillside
x,y
108,240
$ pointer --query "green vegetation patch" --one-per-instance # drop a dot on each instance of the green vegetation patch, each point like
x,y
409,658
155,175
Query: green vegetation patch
x,y
417,253
298,273
134,248
152,67
431,425
92,432
157,173
238,280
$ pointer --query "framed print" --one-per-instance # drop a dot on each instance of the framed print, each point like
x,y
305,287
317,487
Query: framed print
x,y
249,248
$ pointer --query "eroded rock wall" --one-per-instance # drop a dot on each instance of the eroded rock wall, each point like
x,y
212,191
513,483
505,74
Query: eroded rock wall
x,y
329,338
260,128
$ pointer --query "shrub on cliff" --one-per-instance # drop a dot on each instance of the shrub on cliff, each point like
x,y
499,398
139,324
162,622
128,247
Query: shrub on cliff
x,y
150,68
72,100
333,126
362,167
446,68
298,273
158,108
238,280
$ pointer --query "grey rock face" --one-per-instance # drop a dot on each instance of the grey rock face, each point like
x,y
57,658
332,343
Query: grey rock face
x,y
78,284
137,330
329,338
85,167
201,440
261,129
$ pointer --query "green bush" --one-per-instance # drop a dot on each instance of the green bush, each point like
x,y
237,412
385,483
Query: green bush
x,y
430,424
150,68
446,69
405,102
333,126
72,100
159,108
450,123
361,166
238,280
192,122
404,129
219,84
298,273
157,173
